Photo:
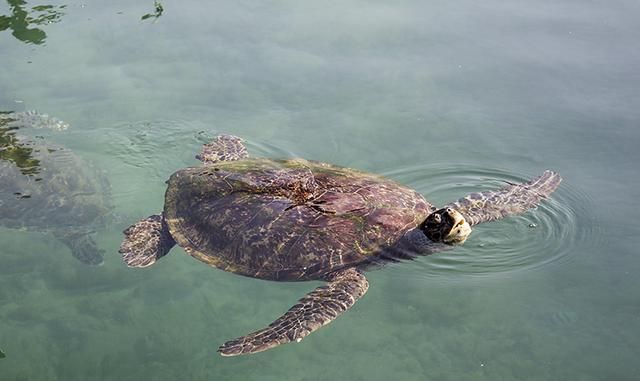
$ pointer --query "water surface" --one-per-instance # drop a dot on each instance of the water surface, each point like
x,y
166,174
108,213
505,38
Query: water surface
x,y
444,97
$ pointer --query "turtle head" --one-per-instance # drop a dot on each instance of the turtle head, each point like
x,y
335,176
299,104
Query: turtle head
x,y
446,225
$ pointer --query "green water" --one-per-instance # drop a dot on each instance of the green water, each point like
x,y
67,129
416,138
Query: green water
x,y
445,97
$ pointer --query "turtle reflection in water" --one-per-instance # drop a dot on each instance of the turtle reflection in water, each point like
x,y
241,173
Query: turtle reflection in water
x,y
298,220
45,187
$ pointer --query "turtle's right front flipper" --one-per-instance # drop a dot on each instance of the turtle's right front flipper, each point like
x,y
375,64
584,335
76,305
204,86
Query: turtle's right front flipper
x,y
146,241
317,308
507,201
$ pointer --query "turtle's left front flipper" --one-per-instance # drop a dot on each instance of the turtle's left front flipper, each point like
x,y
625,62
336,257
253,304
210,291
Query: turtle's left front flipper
x,y
317,308
509,200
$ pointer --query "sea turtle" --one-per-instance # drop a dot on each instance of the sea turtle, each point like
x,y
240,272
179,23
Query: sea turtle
x,y
46,187
298,220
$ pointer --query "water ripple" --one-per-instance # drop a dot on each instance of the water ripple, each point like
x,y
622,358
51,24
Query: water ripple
x,y
159,146
555,231
551,233
163,146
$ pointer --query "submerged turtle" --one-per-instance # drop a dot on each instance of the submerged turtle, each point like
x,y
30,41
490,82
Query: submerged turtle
x,y
46,187
297,220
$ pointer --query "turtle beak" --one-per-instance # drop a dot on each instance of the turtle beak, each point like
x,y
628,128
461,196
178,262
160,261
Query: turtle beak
x,y
460,228
456,217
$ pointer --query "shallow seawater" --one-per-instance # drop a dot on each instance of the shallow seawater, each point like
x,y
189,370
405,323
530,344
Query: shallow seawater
x,y
446,98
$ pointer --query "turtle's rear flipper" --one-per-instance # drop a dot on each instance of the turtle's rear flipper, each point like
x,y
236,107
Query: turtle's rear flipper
x,y
146,241
83,247
509,200
223,148
317,308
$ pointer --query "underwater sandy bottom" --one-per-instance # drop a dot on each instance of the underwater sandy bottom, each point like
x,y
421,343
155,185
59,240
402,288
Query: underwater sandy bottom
x,y
66,321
